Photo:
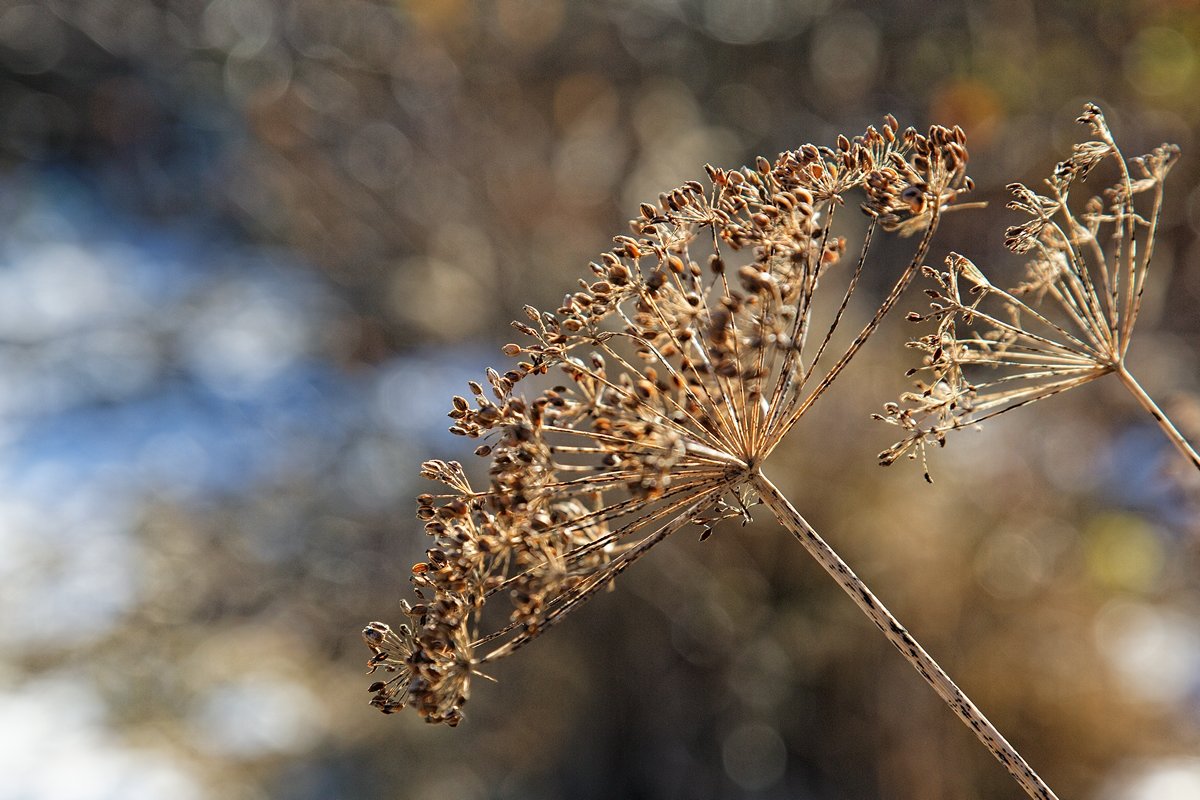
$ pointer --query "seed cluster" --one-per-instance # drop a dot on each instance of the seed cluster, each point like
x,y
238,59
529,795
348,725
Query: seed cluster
x,y
681,363
1092,264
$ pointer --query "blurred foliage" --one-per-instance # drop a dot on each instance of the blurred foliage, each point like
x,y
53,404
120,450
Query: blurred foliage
x,y
253,246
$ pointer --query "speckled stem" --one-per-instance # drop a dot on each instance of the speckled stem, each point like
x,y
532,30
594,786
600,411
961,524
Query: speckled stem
x,y
1181,444
903,641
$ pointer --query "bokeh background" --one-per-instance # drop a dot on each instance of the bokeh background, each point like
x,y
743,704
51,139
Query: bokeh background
x,y
251,247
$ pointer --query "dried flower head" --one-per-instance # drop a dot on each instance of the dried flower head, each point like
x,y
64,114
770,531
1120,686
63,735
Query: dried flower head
x,y
996,350
683,361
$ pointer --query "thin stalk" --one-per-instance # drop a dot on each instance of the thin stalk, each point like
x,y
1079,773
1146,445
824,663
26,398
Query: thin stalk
x,y
1181,444
902,640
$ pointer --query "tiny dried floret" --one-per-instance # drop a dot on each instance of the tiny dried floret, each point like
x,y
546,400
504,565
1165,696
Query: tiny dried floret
x,y
1067,324
680,365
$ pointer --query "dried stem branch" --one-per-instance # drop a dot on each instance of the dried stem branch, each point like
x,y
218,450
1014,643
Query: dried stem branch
x,y
1090,263
1164,422
680,380
902,640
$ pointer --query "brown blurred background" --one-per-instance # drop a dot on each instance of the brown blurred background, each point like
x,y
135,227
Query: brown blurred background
x,y
251,247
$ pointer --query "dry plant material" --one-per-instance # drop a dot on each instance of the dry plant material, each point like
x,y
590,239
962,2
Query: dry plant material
x,y
1069,323
685,359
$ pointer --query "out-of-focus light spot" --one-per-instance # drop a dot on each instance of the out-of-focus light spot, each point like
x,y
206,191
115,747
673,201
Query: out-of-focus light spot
x,y
41,758
585,100
306,25
1074,451
374,473
145,27
589,161
529,24
464,784
1155,651
589,165
466,246
324,90
423,72
744,107
261,72
971,104
438,16
174,461
1137,457
671,163
675,141
1161,61
440,297
115,363
230,23
69,570
754,756
32,39
1009,565
753,21
54,289
760,673
256,717
242,336
1123,551
1165,779
377,155
410,394
664,110
740,21
845,54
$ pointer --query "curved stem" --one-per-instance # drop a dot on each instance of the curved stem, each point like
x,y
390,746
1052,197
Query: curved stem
x,y
902,640
1181,444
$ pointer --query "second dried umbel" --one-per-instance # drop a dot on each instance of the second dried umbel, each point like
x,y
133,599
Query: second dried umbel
x,y
1070,322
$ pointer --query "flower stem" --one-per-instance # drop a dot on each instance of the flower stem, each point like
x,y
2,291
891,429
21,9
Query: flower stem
x,y
1173,434
903,641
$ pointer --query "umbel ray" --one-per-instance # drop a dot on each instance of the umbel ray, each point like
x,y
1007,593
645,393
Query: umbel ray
x,y
685,358
1070,322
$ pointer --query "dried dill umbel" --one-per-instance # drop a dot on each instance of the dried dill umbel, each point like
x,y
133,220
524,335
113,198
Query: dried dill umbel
x,y
674,370
1070,322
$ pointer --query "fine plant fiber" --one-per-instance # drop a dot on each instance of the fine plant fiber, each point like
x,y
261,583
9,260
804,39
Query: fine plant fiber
x,y
1071,320
690,352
